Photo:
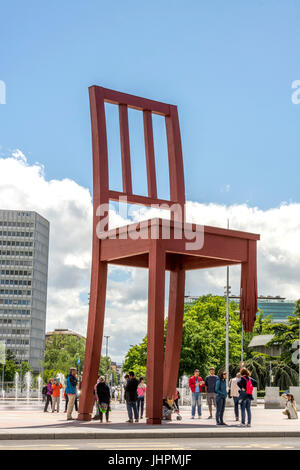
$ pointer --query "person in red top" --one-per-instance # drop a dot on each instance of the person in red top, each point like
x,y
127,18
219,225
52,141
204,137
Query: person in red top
x,y
196,384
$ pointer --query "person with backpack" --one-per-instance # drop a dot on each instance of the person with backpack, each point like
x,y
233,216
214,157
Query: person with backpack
x,y
221,395
246,384
131,397
103,396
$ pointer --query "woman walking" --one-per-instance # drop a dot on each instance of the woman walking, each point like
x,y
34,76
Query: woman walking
x,y
246,384
221,395
103,394
141,391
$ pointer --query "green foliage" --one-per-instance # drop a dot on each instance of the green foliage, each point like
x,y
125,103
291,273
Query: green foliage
x,y
11,367
106,370
203,344
62,352
136,359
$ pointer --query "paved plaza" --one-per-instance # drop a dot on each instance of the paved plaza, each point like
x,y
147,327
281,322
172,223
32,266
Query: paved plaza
x,y
28,421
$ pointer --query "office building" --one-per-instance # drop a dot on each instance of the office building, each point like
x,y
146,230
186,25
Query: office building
x,y
24,246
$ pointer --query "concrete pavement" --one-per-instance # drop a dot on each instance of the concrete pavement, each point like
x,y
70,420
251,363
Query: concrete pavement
x,y
27,422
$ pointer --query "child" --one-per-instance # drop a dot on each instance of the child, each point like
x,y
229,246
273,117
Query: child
x,y
290,406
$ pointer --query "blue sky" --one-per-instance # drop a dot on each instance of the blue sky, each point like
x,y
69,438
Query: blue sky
x,y
227,65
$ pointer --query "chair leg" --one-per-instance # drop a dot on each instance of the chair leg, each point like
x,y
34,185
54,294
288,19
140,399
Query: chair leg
x,y
93,340
174,331
155,348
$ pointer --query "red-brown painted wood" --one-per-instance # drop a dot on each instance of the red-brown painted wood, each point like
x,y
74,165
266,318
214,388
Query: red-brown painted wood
x,y
155,337
221,247
174,331
94,339
150,158
125,149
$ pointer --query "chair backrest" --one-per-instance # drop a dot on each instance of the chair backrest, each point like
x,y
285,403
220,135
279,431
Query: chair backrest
x,y
102,193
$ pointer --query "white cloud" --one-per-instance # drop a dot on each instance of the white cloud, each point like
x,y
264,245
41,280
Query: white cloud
x,y
68,207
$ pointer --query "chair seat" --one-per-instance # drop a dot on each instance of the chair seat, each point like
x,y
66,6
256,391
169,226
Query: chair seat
x,y
192,246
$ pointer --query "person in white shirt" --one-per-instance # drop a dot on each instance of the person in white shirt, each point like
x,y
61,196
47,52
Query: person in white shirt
x,y
290,406
235,394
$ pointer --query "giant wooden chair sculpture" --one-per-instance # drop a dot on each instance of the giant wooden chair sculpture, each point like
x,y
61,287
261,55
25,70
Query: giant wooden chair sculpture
x,y
154,251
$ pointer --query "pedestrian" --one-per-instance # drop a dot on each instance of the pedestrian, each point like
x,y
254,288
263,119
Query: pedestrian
x,y
44,392
290,406
141,391
97,415
126,378
246,384
235,394
196,384
71,391
210,383
103,396
48,395
131,398
221,395
56,388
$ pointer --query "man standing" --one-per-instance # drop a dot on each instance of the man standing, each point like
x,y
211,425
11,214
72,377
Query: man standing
x,y
210,383
131,397
235,394
196,383
71,391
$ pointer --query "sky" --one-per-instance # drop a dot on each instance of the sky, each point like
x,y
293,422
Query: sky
x,y
228,66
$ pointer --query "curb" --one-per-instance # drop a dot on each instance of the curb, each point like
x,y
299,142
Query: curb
x,y
147,435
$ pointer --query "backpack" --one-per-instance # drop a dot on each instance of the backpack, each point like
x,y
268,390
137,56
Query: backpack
x,y
249,386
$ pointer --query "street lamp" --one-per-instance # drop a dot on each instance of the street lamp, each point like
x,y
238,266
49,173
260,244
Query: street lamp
x,y
227,293
106,337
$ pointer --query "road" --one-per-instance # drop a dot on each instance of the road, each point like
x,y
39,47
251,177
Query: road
x,y
155,444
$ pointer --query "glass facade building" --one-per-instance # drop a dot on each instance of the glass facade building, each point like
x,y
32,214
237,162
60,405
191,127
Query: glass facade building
x,y
24,247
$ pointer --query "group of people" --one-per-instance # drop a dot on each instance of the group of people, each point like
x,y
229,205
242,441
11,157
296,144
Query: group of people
x,y
52,394
134,394
240,389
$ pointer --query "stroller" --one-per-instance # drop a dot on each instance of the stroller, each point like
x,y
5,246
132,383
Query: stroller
x,y
171,406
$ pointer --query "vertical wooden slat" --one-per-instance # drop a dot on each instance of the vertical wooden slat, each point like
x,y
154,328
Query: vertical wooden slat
x,y
150,158
125,149
177,192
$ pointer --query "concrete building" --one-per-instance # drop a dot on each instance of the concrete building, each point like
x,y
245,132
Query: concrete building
x,y
24,247
260,344
64,332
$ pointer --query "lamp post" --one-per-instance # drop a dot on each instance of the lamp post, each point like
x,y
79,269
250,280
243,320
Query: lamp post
x,y
227,293
106,354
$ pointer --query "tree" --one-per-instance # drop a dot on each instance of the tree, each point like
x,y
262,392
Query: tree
x,y
203,338
61,353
